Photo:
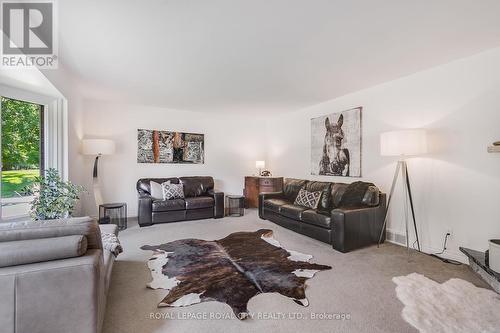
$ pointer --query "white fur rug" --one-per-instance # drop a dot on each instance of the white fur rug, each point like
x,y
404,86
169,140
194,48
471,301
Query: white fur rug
x,y
455,306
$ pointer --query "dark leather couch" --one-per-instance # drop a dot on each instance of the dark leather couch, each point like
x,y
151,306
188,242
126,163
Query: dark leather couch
x,y
200,202
345,228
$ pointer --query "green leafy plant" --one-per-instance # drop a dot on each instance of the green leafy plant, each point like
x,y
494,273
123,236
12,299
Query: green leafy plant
x,y
53,197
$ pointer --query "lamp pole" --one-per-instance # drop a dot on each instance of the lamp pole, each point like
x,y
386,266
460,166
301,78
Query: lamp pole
x,y
97,148
95,183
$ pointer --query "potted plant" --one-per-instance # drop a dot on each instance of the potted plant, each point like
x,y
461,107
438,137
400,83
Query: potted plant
x,y
53,198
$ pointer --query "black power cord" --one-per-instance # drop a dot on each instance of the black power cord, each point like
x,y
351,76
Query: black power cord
x,y
446,261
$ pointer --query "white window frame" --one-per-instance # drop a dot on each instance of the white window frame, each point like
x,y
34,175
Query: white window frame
x,y
55,133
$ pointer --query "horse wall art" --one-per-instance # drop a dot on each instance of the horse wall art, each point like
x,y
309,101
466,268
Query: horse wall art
x,y
336,144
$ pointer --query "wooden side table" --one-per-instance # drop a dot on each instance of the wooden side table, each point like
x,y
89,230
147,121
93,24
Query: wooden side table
x,y
255,185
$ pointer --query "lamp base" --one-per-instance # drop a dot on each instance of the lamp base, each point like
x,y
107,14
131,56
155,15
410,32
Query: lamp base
x,y
402,168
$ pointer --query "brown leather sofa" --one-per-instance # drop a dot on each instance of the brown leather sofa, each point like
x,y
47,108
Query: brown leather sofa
x,y
200,202
346,228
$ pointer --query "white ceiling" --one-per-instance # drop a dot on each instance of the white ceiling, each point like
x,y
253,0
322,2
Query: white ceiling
x,y
262,55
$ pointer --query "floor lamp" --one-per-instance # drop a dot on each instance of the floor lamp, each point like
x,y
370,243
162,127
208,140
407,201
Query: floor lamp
x,y
97,148
404,144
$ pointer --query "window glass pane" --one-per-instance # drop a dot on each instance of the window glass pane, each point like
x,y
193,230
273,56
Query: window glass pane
x,y
21,150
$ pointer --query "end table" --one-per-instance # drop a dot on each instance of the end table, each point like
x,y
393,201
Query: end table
x,y
115,213
235,205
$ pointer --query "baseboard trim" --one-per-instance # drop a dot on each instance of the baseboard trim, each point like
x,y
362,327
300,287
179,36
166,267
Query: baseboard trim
x,y
400,239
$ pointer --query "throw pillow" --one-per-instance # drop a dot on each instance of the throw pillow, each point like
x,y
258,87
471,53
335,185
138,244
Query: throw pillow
x,y
172,191
308,199
156,190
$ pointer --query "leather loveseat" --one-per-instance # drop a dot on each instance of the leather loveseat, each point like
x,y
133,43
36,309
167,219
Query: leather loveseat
x,y
200,202
54,275
346,228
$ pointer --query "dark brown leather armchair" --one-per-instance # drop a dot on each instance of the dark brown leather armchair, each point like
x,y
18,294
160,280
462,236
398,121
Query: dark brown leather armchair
x,y
200,201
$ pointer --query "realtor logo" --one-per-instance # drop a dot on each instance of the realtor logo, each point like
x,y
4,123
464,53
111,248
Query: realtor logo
x,y
28,38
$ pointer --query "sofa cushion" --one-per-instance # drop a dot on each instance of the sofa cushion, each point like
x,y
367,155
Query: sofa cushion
x,y
313,217
308,199
291,188
199,202
172,191
338,190
29,229
197,186
168,205
325,188
144,184
30,251
275,204
156,190
372,197
292,211
357,194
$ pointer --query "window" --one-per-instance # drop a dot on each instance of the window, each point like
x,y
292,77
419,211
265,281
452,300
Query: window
x,y
22,152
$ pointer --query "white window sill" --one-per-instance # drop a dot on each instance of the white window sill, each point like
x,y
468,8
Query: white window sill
x,y
14,209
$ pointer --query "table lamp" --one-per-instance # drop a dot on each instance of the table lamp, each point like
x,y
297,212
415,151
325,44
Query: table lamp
x,y
260,165
97,148
404,144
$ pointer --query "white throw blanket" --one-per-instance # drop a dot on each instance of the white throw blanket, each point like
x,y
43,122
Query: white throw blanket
x,y
111,243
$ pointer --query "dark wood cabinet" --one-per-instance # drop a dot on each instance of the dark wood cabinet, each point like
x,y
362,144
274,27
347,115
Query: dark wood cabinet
x,y
255,185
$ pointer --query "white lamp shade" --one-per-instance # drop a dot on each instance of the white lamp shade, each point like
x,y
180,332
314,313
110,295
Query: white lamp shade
x,y
98,147
410,142
260,164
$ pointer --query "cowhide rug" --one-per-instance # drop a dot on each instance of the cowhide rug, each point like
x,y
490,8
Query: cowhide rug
x,y
455,306
230,270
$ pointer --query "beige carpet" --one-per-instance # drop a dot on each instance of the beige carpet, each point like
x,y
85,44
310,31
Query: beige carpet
x,y
359,288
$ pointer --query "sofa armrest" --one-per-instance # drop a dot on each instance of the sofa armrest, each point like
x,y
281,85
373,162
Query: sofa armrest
x,y
40,250
70,292
219,203
354,228
109,228
145,210
29,230
267,195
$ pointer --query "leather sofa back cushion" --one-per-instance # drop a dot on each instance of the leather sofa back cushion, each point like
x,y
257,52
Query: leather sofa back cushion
x,y
370,199
291,188
144,186
324,188
338,190
196,186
